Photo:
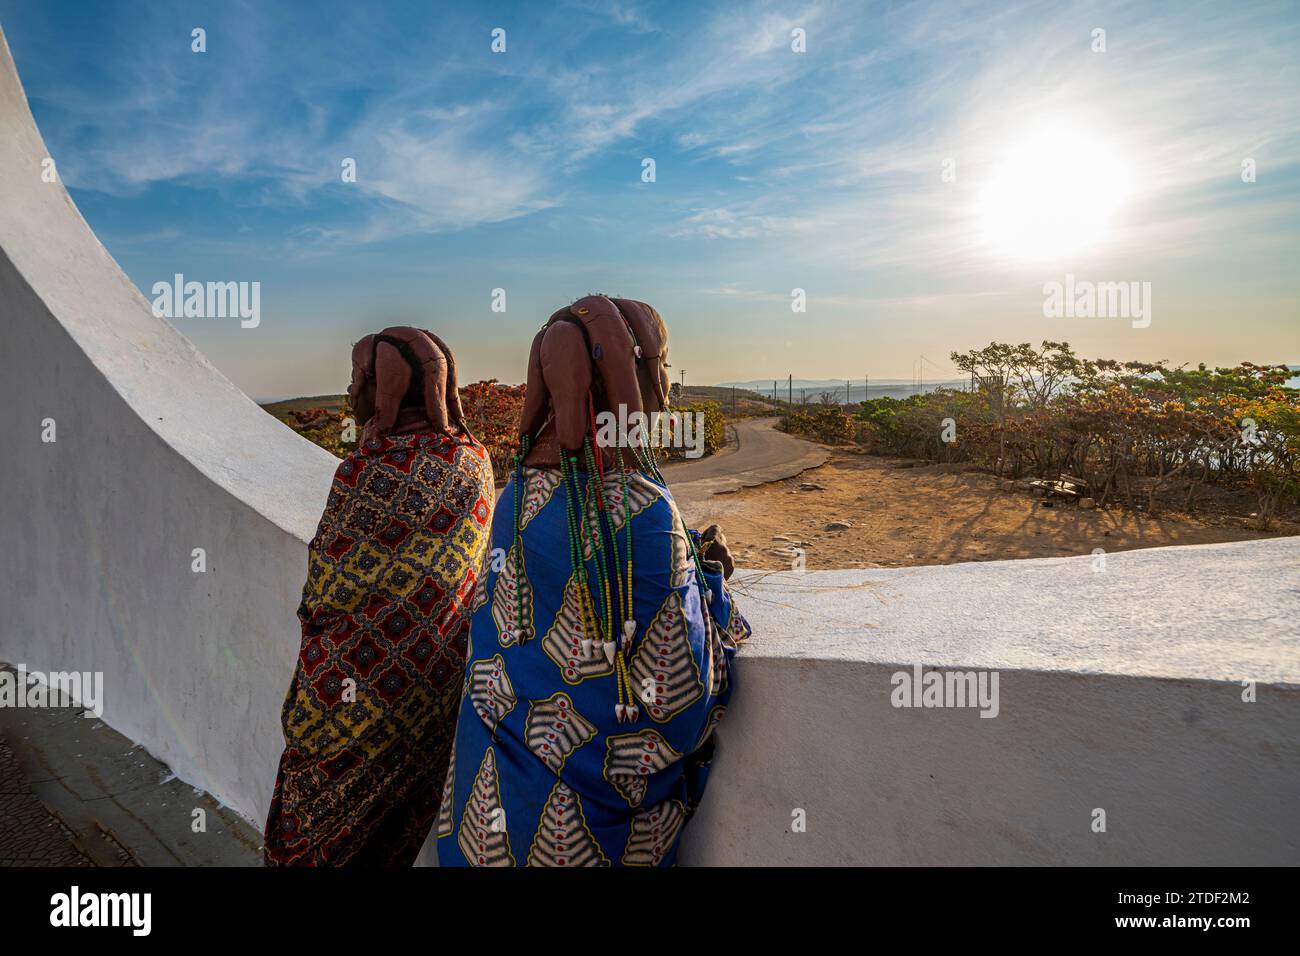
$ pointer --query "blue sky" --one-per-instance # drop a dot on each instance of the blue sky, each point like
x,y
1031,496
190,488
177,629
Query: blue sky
x,y
775,170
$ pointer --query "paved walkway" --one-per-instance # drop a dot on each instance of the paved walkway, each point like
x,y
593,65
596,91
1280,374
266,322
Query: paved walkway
x,y
75,792
30,835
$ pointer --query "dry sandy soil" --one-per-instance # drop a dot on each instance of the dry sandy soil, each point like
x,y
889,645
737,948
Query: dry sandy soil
x,y
932,514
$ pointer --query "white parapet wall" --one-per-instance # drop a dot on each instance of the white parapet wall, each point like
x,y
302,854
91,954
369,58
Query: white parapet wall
x,y
1123,686
1118,689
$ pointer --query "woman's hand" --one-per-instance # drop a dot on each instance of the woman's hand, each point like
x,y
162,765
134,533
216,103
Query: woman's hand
x,y
713,547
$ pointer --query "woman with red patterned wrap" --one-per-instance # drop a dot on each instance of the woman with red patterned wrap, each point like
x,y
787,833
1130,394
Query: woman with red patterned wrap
x,y
371,710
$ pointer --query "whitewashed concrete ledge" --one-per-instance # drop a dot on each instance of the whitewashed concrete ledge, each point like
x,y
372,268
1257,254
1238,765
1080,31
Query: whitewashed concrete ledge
x,y
1119,691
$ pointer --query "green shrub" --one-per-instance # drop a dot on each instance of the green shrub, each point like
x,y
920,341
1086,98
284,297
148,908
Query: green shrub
x,y
715,425
829,424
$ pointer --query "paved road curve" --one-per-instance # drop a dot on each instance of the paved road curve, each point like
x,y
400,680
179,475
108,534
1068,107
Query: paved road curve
x,y
755,454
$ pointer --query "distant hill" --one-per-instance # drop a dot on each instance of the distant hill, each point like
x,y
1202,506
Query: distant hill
x,y
811,389
735,402
331,403
764,385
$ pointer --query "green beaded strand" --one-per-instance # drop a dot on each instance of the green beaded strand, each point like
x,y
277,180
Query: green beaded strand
x,y
518,542
600,526
568,469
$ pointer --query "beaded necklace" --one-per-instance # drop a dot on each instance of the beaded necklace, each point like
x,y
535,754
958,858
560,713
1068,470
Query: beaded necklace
x,y
586,609
599,633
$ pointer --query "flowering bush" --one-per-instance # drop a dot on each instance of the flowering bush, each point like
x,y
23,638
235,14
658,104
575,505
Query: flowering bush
x,y
332,430
492,413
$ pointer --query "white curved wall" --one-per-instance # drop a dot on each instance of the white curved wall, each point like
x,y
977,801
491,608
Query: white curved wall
x,y
157,454
1118,690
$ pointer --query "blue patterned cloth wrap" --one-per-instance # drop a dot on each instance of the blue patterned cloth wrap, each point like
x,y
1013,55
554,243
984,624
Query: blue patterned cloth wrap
x,y
543,772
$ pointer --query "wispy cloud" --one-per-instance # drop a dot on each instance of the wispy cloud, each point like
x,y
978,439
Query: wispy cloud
x,y
775,168
1184,95
860,122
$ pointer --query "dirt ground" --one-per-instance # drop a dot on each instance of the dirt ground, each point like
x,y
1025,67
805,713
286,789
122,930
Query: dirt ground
x,y
934,514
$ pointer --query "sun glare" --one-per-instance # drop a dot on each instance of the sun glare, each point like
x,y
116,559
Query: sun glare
x,y
1053,195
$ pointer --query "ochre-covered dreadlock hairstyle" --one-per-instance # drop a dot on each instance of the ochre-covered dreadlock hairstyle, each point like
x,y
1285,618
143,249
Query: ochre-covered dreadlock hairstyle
x,y
610,352
410,368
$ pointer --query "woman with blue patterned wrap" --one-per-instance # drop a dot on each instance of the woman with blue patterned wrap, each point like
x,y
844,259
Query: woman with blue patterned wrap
x,y
603,632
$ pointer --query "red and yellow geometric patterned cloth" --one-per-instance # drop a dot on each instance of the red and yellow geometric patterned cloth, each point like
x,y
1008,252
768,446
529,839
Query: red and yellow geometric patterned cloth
x,y
371,711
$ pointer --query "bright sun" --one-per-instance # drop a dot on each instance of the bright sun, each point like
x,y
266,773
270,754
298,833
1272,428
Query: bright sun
x,y
1052,196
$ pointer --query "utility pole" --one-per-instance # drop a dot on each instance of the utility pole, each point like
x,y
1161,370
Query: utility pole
x,y
866,388
683,378
848,399
789,384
